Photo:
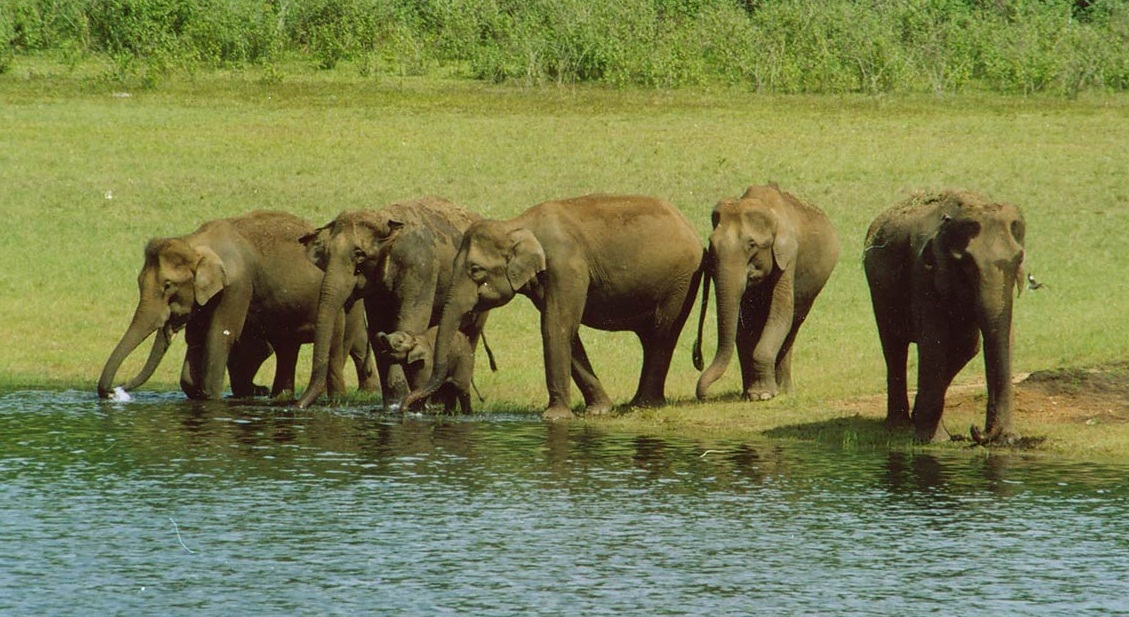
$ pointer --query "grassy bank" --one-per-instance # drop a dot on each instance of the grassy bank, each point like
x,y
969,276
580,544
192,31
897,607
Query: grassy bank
x,y
779,46
91,171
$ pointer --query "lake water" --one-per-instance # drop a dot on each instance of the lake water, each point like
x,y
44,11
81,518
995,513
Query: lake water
x,y
165,507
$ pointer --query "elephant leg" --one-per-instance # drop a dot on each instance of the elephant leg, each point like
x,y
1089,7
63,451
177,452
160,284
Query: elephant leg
x,y
286,361
657,353
247,356
891,316
356,340
393,382
896,354
188,380
364,362
596,400
942,353
784,366
784,361
560,325
191,373
216,351
745,343
224,326
659,344
770,343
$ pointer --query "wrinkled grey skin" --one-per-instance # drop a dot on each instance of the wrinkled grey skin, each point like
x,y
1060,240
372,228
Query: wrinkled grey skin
x,y
398,259
943,271
610,262
770,255
406,348
241,288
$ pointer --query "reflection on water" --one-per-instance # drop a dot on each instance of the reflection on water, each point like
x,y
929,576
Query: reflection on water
x,y
162,506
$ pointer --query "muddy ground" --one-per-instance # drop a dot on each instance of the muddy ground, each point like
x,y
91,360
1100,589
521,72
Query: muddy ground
x,y
1088,396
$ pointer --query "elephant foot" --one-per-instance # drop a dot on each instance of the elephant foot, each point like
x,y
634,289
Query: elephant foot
x,y
936,435
897,421
598,409
285,395
556,413
252,391
761,390
648,401
759,395
994,438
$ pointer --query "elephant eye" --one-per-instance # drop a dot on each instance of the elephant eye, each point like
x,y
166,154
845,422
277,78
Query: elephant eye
x,y
476,272
359,255
168,286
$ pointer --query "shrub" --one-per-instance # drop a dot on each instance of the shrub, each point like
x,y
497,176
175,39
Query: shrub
x,y
871,46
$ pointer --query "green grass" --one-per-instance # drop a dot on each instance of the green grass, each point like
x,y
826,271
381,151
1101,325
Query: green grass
x,y
89,175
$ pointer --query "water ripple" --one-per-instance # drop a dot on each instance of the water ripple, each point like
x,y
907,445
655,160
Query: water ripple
x,y
162,506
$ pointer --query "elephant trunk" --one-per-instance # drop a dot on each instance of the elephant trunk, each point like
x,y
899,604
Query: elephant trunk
x,y
156,354
730,285
459,304
139,329
336,287
994,315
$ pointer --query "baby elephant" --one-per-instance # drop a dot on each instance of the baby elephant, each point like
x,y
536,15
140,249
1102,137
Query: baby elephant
x,y
770,255
942,271
407,349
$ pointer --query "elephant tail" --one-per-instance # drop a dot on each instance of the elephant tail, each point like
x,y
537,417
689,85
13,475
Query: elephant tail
x,y
699,363
489,354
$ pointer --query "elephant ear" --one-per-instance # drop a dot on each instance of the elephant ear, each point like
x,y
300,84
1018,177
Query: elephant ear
x,y
955,235
383,228
786,245
315,243
526,258
211,276
419,351
1020,276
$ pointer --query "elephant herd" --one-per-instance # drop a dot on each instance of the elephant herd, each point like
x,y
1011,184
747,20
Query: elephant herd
x,y
405,291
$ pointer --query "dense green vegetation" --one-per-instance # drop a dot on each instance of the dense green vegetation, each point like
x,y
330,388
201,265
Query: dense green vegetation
x,y
777,46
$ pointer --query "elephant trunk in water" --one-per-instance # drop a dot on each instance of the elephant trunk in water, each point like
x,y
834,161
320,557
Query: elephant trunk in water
x,y
461,301
139,330
336,287
730,283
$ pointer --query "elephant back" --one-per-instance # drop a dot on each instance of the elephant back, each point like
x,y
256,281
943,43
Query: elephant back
x,y
268,230
436,214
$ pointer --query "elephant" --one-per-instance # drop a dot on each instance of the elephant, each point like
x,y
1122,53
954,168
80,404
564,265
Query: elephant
x,y
941,270
398,259
407,348
770,255
241,288
611,262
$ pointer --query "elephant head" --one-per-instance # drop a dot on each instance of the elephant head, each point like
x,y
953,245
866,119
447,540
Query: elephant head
x,y
351,250
976,252
974,262
175,280
495,262
752,244
403,347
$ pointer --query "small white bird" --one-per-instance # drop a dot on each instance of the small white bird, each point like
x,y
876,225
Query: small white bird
x,y
1032,284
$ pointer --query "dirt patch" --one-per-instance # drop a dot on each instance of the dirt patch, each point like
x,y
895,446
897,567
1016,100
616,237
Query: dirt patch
x,y
1076,395
1085,396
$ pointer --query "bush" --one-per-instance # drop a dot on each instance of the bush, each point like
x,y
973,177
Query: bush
x,y
871,46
